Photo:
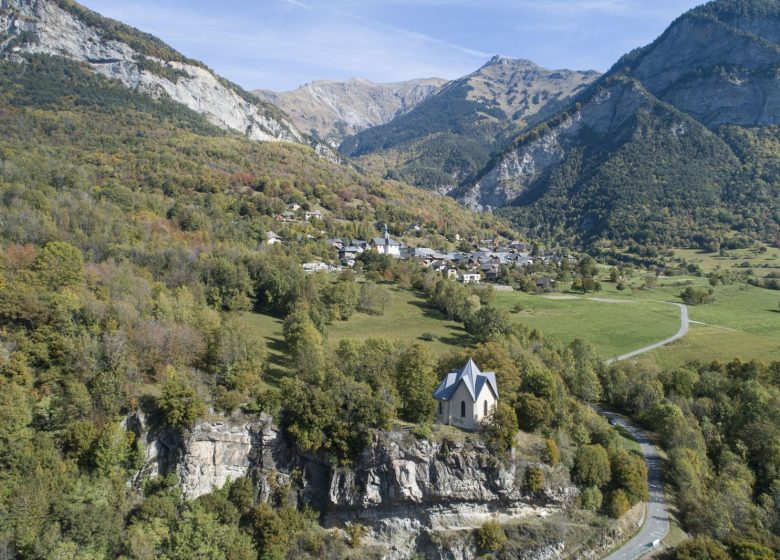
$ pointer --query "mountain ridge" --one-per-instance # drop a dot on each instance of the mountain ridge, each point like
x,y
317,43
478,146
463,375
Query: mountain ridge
x,y
333,109
701,78
139,61
453,133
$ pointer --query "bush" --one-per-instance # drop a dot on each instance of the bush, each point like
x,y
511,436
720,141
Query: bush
x,y
618,504
421,431
355,532
552,454
488,323
591,466
701,548
591,498
499,428
534,479
179,403
532,412
491,537
697,296
750,550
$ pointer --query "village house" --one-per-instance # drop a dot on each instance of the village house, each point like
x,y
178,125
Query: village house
x,y
471,278
315,267
466,397
349,253
545,285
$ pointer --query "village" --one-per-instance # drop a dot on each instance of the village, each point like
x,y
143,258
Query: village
x,y
483,263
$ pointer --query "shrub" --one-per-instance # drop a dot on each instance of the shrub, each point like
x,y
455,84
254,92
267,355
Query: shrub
x,y
179,403
532,412
534,479
701,548
491,536
552,454
591,466
697,296
618,504
421,431
591,498
355,532
499,428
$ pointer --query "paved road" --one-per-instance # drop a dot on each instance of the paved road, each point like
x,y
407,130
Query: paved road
x,y
685,323
656,524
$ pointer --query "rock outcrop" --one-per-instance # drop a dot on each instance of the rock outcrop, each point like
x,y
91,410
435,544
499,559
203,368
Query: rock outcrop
x,y
404,490
720,70
44,27
527,167
334,109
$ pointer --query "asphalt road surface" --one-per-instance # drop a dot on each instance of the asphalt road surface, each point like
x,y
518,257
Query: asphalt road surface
x,y
656,525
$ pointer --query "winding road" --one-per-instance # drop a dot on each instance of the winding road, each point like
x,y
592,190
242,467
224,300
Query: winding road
x,y
685,324
656,525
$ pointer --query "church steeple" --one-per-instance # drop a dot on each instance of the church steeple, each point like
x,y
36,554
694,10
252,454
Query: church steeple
x,y
387,235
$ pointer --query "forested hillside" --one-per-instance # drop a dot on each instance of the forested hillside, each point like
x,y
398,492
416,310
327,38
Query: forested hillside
x,y
132,233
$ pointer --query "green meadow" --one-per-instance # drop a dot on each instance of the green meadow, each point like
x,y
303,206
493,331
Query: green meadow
x,y
743,322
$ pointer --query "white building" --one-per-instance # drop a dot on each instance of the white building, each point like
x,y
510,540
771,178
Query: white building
x,y
466,397
471,278
386,246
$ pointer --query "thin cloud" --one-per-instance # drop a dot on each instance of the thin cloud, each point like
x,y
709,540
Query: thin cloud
x,y
280,44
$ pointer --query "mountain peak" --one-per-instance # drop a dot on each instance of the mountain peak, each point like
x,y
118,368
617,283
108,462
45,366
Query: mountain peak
x,y
499,60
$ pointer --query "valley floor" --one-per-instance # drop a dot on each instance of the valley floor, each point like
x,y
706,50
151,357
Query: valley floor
x,y
744,322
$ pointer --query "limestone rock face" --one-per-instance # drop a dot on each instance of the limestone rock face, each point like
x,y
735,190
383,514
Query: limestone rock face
x,y
337,109
402,489
529,164
42,27
718,73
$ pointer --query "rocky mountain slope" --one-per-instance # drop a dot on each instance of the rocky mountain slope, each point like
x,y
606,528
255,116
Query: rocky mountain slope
x,y
664,148
407,493
333,110
453,133
139,61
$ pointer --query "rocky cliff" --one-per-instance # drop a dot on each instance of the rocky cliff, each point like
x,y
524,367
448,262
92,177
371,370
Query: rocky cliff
x,y
721,67
656,147
333,109
404,490
140,62
452,134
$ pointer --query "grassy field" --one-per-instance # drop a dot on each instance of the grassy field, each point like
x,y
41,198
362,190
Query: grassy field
x,y
407,318
761,262
613,328
743,322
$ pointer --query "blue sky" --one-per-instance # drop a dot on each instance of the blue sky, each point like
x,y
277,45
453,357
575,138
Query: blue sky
x,y
281,44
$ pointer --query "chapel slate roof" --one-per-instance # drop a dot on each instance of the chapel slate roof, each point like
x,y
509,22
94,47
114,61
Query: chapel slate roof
x,y
381,241
474,379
